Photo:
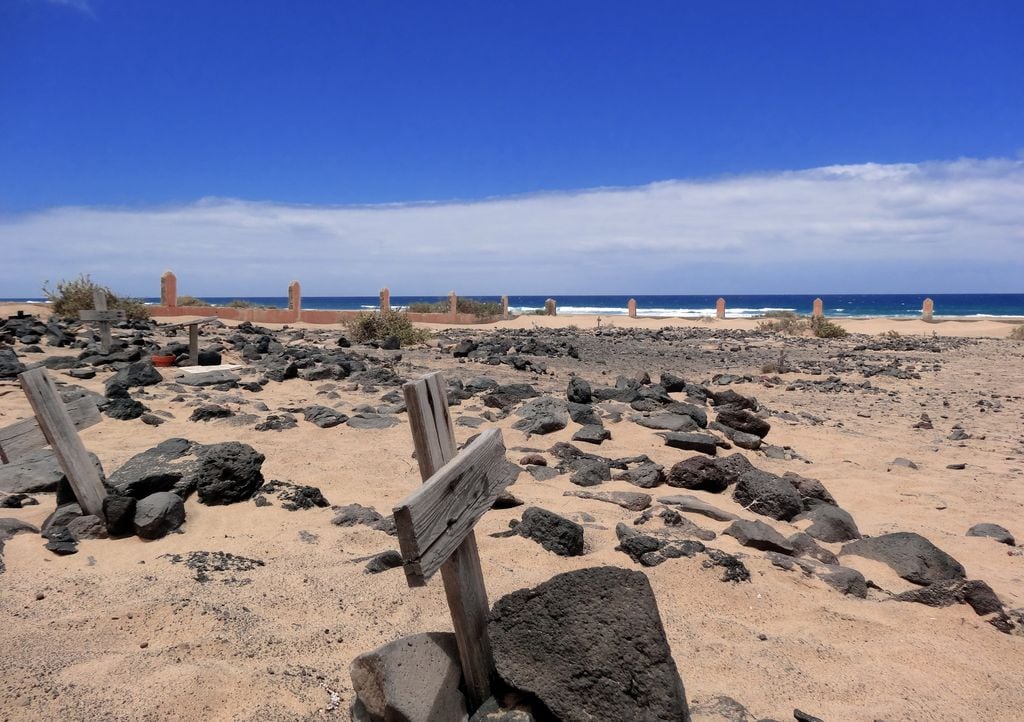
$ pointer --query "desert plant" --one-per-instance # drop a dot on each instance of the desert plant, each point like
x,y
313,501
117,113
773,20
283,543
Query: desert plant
x,y
1017,334
70,297
241,303
776,367
823,328
480,309
891,333
375,325
192,301
786,322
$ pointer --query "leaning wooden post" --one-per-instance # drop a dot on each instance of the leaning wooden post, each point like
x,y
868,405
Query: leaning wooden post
x,y
434,439
168,289
551,307
817,310
60,433
927,309
720,308
193,344
453,306
385,300
504,308
631,307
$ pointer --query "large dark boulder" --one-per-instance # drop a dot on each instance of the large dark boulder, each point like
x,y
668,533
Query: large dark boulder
x,y
10,366
589,645
830,524
910,555
168,466
228,473
140,373
542,416
553,532
159,514
119,515
703,443
767,494
742,419
579,391
698,472
732,398
758,535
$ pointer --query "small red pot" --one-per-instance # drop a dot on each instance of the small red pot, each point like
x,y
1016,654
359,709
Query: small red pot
x,y
163,360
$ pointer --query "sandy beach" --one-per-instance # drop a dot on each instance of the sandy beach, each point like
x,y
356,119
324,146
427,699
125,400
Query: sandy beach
x,y
124,630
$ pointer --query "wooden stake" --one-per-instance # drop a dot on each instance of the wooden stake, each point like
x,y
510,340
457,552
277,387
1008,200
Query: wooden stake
x,y
434,438
193,344
59,430
102,317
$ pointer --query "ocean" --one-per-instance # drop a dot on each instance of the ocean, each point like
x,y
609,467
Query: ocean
x,y
977,305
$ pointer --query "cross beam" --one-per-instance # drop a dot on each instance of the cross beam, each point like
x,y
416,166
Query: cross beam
x,y
102,317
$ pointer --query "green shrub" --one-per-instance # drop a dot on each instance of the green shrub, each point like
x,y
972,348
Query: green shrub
x,y
70,297
1017,334
192,301
239,303
823,328
787,322
377,325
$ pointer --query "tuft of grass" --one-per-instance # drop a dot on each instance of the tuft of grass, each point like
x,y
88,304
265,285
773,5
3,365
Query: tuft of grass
x,y
192,301
785,322
239,303
776,367
70,297
891,333
1017,334
377,325
823,328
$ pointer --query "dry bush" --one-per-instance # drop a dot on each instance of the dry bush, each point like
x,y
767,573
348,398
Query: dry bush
x,y
1017,334
70,297
785,322
192,301
823,328
377,325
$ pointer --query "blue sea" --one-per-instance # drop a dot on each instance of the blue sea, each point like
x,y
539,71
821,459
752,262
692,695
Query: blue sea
x,y
977,305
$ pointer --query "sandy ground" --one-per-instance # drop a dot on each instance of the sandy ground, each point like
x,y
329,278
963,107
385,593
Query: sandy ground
x,y
122,633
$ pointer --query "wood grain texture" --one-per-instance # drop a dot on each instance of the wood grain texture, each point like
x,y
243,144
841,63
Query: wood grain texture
x,y
434,439
193,344
60,433
24,438
434,519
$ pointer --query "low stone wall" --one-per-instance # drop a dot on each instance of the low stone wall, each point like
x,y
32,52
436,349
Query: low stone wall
x,y
284,315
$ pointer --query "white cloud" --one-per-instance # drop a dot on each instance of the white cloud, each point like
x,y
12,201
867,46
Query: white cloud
x,y
932,227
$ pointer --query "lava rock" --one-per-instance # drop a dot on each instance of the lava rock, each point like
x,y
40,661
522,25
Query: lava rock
x,y
228,473
758,535
974,592
140,373
119,515
992,531
592,435
632,500
910,555
323,416
542,416
590,645
767,494
553,532
830,524
698,472
210,411
703,443
158,514
38,473
590,472
579,391
168,466
743,420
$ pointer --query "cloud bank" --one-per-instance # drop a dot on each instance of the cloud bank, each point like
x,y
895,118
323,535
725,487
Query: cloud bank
x,y
928,227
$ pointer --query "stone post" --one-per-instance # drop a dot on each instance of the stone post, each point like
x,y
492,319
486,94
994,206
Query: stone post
x,y
631,307
927,309
720,308
168,289
453,305
295,297
817,310
504,308
551,307
385,300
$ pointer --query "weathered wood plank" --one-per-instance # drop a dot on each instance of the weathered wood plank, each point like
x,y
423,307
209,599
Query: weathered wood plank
x,y
434,519
102,316
23,438
434,439
60,432
193,344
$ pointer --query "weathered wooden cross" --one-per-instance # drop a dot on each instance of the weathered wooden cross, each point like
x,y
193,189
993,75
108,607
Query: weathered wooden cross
x,y
435,523
57,425
193,335
102,317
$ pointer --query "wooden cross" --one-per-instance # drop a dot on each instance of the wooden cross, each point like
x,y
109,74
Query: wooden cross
x,y
103,317
193,336
59,430
435,523
23,438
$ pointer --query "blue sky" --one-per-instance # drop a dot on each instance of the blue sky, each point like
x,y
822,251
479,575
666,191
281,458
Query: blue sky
x,y
125,112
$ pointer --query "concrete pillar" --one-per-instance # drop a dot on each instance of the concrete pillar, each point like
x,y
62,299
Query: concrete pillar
x,y
294,297
817,310
504,307
631,307
927,309
551,307
453,305
168,289
385,300
720,308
